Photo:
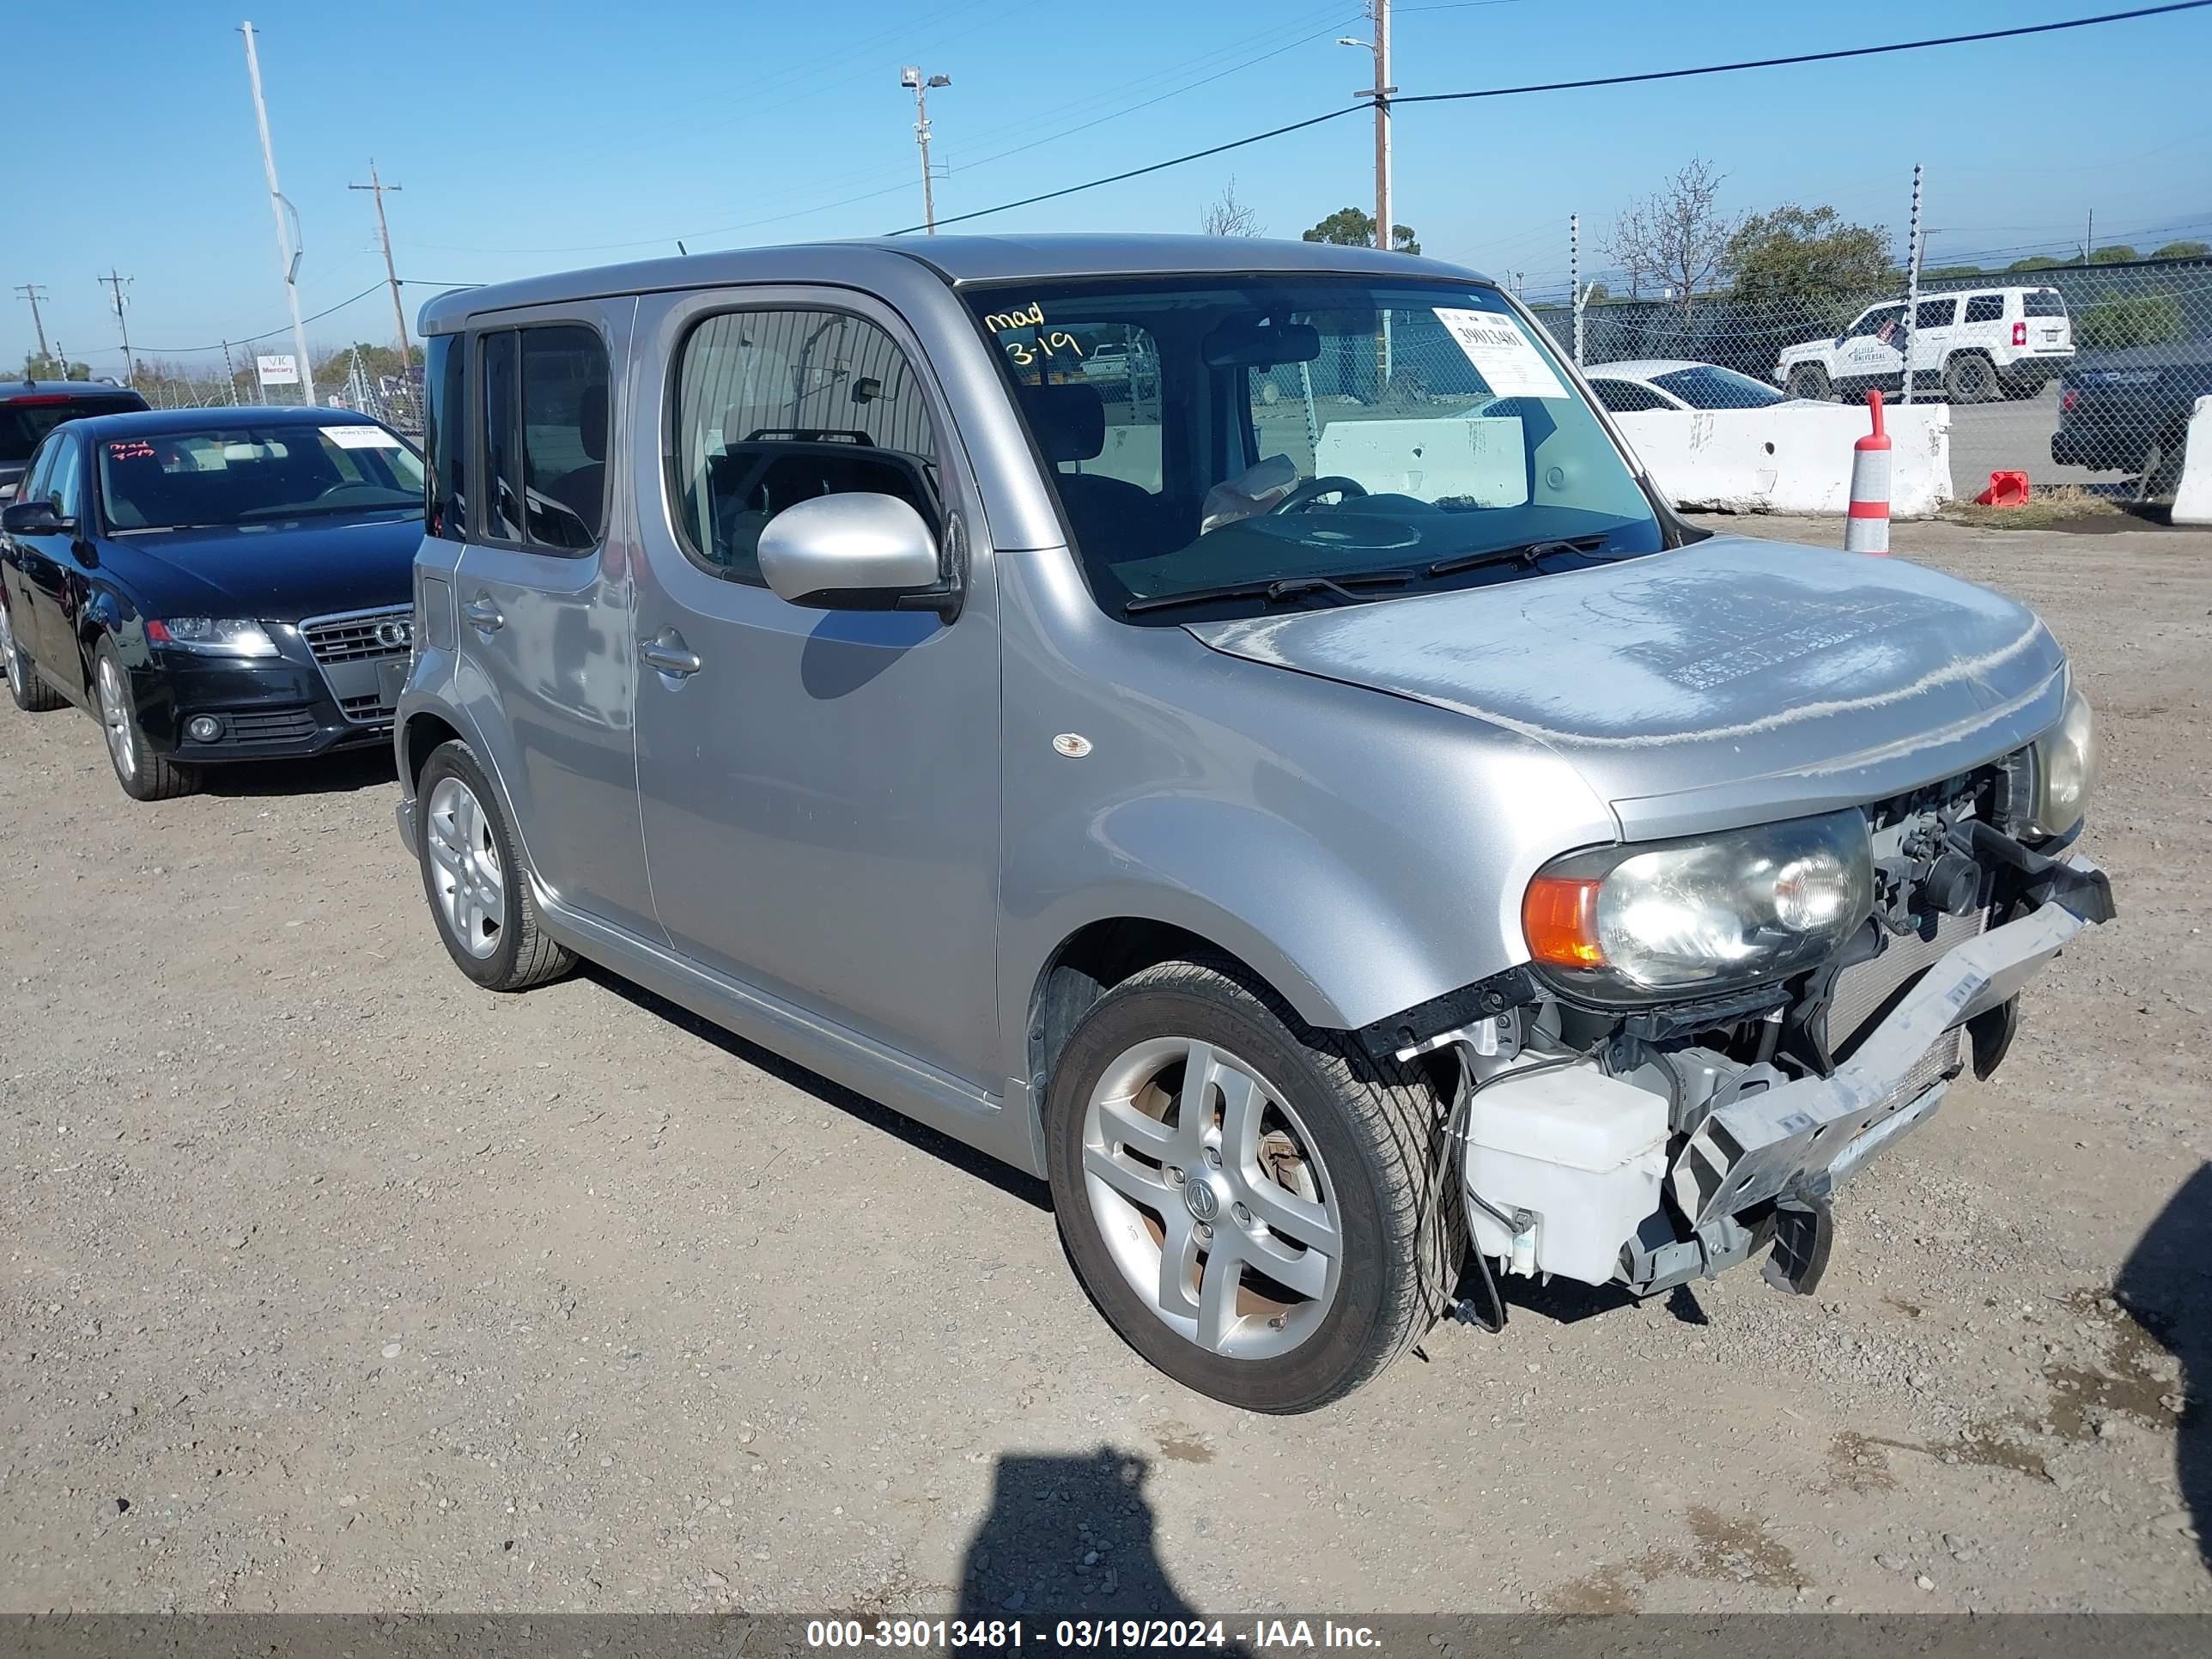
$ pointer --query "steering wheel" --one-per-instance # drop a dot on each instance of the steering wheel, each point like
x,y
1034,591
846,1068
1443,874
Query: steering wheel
x,y
1312,490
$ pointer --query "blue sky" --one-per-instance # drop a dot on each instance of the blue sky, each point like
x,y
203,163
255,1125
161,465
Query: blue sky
x,y
546,136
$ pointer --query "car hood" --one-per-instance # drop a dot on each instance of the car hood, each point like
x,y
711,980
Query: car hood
x,y
1717,683
275,572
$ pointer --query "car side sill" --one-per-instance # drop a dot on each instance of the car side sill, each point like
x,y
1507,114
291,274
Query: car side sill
x,y
907,1086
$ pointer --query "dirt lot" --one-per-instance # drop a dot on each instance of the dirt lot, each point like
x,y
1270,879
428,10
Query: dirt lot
x,y
332,1283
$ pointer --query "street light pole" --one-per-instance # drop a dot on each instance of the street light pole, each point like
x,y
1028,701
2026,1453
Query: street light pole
x,y
911,76
287,254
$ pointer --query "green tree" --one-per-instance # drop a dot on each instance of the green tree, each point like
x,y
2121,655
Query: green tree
x,y
2181,250
1941,271
2139,320
1811,257
2039,262
1349,228
50,367
2118,253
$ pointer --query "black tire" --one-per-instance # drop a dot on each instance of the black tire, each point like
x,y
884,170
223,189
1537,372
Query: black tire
x,y
523,954
1810,381
144,774
1379,1132
31,694
2158,474
1970,378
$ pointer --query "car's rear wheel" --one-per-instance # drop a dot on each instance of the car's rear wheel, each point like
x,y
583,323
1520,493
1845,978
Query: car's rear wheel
x,y
2159,474
1810,380
1970,378
144,774
479,895
32,694
1257,1208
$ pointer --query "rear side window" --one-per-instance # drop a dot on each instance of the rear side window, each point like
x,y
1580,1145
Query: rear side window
x,y
24,422
564,436
2044,302
545,437
445,439
1936,314
1986,309
777,407
1626,397
501,517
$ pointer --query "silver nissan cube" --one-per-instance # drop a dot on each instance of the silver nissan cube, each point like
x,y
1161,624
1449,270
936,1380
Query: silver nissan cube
x,y
1230,728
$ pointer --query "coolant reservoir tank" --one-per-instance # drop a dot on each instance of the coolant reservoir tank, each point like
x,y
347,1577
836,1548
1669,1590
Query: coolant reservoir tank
x,y
1584,1153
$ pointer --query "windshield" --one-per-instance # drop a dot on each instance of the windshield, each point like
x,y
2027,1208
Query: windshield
x,y
25,422
240,475
1709,386
1306,436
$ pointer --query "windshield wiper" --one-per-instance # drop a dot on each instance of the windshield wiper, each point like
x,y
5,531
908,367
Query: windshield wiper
x,y
1274,589
1524,553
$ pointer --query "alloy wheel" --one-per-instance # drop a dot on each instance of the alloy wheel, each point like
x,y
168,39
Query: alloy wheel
x,y
469,883
15,668
115,718
1211,1196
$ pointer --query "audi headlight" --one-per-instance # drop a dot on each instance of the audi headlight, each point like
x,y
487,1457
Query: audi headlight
x,y
1699,917
223,636
2064,768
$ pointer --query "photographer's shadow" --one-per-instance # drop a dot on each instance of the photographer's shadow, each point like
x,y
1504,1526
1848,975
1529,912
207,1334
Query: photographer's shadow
x,y
2166,1287
1069,1536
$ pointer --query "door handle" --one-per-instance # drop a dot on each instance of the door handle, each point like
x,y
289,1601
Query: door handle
x,y
483,613
667,653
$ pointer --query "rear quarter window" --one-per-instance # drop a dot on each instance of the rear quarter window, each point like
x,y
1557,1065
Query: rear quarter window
x,y
2044,302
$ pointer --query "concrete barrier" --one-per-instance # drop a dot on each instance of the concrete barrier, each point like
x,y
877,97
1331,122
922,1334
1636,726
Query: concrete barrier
x,y
2192,496
1792,458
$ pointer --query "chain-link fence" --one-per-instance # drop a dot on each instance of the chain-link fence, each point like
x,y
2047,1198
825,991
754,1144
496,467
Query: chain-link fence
x,y
2081,375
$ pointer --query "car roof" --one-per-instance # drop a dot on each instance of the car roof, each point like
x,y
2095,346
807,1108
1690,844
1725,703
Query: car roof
x,y
1642,368
13,391
167,422
956,259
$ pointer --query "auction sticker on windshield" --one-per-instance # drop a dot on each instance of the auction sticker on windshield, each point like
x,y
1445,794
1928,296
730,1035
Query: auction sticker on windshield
x,y
362,437
1501,353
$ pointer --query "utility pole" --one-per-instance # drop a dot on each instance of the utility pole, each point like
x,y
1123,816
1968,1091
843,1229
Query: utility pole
x,y
229,374
287,222
911,76
1911,280
34,292
376,186
114,282
1380,11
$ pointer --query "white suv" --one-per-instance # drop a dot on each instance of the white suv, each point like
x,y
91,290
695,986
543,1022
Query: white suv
x,y
1976,345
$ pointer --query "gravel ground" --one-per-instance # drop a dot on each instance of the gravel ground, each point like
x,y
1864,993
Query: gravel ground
x,y
332,1283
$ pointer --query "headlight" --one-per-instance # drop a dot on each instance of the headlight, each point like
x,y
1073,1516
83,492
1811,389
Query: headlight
x,y
2065,771
1696,918
224,636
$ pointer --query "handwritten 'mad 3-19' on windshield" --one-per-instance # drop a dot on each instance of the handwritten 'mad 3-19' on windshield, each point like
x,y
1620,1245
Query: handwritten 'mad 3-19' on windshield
x,y
1040,342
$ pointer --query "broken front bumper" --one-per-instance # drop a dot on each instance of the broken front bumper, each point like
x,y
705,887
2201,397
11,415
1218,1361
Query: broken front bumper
x,y
1781,1150
1758,1147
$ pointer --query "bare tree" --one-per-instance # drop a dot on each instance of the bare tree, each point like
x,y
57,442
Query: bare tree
x,y
1677,236
1228,216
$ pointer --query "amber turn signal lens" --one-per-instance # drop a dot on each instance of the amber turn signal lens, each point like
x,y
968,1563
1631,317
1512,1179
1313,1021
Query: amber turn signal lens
x,y
1559,916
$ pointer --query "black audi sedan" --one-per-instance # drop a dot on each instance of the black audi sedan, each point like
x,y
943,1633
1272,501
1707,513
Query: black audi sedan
x,y
213,585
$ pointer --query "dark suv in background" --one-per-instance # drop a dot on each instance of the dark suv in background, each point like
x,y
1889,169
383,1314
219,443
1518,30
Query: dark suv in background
x,y
31,409
2128,410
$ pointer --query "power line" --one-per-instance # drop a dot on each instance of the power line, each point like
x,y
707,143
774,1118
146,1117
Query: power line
x,y
1831,57
1601,80
266,334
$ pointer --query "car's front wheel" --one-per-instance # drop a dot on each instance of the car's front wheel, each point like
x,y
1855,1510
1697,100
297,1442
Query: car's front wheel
x,y
144,774
1810,381
32,694
478,893
1259,1209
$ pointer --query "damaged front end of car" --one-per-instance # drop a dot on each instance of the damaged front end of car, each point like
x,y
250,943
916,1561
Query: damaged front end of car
x,y
1713,1034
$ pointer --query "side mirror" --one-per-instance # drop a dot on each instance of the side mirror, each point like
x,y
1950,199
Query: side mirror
x,y
35,519
856,552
